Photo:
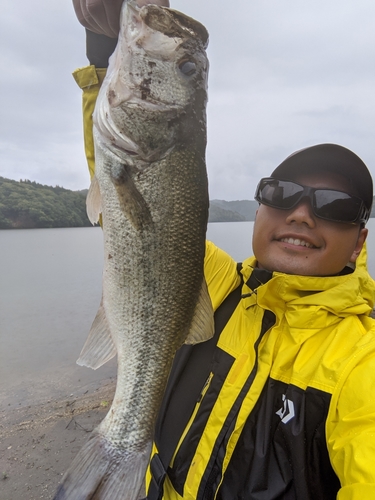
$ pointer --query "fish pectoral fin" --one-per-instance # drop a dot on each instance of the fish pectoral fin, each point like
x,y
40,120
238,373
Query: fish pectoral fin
x,y
202,325
94,201
132,203
99,346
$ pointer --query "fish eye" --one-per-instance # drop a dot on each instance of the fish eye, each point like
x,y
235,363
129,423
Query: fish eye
x,y
188,68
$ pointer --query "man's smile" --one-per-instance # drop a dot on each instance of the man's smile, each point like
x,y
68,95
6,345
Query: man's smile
x,y
297,242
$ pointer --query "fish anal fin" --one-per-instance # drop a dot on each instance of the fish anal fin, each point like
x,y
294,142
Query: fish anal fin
x,y
94,201
99,346
202,325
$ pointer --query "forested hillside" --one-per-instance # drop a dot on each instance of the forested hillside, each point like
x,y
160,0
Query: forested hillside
x,y
27,204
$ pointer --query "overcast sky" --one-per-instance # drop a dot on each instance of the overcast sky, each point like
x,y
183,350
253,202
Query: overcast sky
x,y
284,74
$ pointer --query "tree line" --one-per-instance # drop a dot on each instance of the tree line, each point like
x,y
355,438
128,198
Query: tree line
x,y
27,204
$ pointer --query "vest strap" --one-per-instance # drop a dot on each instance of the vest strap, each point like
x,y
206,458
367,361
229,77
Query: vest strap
x,y
158,474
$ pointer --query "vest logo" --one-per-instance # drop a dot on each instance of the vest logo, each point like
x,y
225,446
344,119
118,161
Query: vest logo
x,y
286,413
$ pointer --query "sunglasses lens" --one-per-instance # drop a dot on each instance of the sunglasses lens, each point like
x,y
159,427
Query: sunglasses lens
x,y
279,194
336,206
326,203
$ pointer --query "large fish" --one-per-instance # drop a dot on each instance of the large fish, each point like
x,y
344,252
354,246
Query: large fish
x,y
150,186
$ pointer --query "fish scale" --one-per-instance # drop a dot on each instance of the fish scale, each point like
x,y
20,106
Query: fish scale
x,y
150,186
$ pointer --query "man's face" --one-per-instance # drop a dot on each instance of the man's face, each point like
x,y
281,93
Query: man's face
x,y
295,241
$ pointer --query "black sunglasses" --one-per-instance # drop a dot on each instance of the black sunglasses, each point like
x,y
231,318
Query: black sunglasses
x,y
327,204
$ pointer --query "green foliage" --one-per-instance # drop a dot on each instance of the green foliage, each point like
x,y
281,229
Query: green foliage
x,y
27,204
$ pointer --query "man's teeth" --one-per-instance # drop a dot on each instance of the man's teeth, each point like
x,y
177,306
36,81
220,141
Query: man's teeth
x,y
297,242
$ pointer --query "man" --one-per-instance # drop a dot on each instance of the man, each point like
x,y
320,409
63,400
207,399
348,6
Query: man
x,y
287,408
281,404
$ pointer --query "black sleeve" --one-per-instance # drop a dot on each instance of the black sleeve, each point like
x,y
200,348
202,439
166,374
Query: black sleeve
x,y
99,48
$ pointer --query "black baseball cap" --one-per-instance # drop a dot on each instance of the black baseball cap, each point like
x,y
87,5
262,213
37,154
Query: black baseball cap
x,y
329,158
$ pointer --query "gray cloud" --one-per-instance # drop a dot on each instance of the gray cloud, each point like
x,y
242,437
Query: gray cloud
x,y
283,74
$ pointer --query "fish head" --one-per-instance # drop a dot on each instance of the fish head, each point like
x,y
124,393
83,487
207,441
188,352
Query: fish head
x,y
155,92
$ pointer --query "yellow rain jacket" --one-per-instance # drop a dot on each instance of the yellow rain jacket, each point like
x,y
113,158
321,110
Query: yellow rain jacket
x,y
287,410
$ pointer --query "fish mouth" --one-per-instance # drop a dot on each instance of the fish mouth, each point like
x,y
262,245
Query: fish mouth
x,y
172,23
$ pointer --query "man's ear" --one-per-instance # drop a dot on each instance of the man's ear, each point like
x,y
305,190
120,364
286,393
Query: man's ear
x,y
360,242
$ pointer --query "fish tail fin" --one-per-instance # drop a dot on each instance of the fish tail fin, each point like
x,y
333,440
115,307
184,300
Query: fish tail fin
x,y
99,472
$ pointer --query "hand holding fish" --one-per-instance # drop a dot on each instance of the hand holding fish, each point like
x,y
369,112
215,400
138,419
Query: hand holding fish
x,y
103,16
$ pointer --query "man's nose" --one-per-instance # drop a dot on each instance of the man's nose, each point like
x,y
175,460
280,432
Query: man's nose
x,y
302,213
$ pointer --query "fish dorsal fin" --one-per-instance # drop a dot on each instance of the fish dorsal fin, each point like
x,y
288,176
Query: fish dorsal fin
x,y
99,347
94,201
202,325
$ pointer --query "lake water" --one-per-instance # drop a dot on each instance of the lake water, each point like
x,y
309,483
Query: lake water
x,y
50,289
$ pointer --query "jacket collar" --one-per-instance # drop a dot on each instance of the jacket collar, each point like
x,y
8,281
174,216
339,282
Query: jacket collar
x,y
301,299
